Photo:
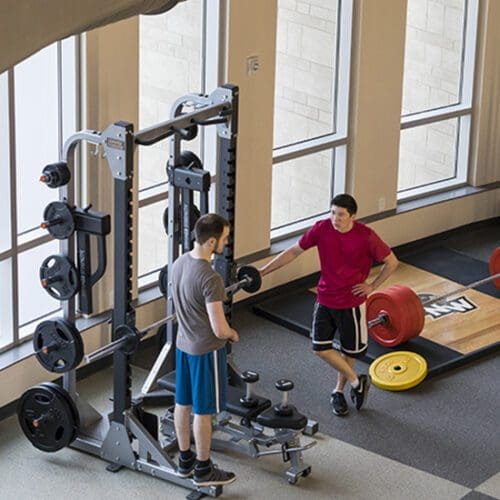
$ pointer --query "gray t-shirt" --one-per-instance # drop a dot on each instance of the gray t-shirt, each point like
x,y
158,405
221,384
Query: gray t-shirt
x,y
194,284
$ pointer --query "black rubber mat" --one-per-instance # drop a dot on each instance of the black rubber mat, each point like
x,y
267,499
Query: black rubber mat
x,y
454,266
294,311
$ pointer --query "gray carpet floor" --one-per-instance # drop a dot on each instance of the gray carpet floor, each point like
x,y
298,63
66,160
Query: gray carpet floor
x,y
339,470
448,426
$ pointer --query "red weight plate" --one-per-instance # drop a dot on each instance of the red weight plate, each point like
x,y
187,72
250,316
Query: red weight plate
x,y
495,265
404,311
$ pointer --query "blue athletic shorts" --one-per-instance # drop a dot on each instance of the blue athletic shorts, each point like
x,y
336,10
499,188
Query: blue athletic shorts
x,y
200,381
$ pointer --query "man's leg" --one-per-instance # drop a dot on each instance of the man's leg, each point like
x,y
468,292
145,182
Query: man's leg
x,y
182,415
182,421
337,361
208,380
341,378
202,428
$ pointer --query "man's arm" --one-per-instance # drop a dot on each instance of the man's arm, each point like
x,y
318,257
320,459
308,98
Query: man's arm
x,y
390,264
282,259
219,323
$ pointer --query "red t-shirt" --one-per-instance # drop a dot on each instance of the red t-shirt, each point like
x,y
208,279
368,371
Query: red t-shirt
x,y
346,260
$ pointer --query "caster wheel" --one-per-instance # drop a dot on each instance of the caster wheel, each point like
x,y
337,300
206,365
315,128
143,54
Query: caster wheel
x,y
306,472
292,480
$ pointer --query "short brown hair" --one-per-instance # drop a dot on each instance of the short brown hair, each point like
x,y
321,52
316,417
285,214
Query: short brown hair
x,y
209,226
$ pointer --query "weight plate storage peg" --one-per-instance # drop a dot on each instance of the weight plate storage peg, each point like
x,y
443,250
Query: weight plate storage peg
x,y
48,417
59,277
402,311
398,371
495,266
58,345
58,220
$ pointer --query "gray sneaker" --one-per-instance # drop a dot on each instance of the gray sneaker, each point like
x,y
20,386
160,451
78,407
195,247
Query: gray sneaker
x,y
212,476
186,467
339,404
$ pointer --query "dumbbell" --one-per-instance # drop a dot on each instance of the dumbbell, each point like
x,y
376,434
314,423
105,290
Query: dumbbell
x,y
283,409
250,378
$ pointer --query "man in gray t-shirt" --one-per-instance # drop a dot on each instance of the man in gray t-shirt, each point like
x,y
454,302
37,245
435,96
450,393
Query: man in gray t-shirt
x,y
201,366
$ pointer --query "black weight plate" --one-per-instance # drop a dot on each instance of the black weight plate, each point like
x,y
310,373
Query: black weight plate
x,y
59,219
163,281
254,275
190,160
59,277
58,345
56,174
195,215
48,417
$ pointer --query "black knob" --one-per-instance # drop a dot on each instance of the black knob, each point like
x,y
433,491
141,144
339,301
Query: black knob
x,y
284,385
249,377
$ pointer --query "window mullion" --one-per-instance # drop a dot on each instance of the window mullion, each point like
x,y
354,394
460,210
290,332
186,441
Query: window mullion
x,y
13,209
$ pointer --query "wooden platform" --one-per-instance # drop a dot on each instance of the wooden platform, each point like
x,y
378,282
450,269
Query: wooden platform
x,y
465,322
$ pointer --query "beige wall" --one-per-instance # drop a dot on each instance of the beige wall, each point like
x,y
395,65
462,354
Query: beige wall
x,y
485,156
112,82
374,137
255,127
375,102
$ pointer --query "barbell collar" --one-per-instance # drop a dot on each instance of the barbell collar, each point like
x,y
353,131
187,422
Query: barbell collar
x,y
381,319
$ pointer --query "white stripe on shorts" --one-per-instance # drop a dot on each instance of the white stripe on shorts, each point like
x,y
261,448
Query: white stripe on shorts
x,y
362,324
356,329
216,375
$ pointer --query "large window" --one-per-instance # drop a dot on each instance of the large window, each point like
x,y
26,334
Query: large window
x,y
38,111
310,113
173,58
437,95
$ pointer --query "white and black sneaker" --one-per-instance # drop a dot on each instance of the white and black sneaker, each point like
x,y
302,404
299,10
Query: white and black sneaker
x,y
212,476
360,394
339,404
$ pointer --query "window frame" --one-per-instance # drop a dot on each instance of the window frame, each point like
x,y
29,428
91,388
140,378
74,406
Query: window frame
x,y
210,72
68,59
462,111
336,140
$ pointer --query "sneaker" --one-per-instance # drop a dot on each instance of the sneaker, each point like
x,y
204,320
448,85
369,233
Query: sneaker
x,y
186,467
339,404
212,476
360,394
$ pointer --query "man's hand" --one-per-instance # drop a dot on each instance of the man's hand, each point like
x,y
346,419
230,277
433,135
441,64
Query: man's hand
x,y
234,336
362,289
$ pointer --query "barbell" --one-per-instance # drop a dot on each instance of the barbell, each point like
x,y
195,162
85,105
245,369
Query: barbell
x,y
396,314
58,344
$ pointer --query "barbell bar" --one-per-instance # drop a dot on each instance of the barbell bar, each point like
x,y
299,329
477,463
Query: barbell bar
x,y
383,319
58,345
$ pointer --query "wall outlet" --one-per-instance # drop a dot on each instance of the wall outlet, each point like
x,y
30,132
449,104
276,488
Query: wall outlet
x,y
253,64
381,203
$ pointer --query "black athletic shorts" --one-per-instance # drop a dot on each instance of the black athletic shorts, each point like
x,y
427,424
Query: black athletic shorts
x,y
350,324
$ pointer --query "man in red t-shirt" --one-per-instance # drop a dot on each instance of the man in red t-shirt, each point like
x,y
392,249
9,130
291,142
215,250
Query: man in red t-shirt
x,y
347,250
